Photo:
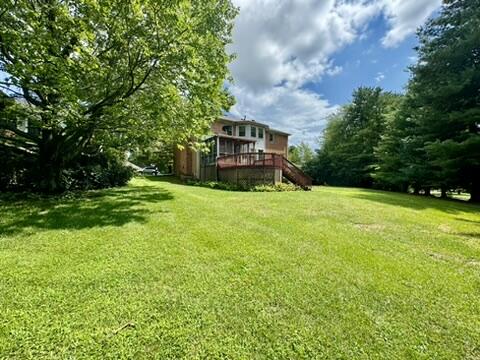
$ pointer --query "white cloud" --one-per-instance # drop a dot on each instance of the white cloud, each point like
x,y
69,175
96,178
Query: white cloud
x,y
291,42
282,45
380,76
299,112
405,16
334,70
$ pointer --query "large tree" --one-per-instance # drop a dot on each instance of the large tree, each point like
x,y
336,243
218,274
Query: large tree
x,y
401,160
347,153
89,74
300,154
445,87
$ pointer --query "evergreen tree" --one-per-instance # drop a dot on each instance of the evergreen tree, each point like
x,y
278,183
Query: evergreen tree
x,y
347,155
445,87
401,158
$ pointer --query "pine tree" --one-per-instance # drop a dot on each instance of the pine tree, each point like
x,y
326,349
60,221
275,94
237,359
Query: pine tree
x,y
446,90
347,155
401,156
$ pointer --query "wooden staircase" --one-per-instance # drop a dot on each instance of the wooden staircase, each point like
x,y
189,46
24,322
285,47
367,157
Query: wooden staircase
x,y
295,175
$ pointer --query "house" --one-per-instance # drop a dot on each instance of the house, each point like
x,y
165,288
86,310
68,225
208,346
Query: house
x,y
241,152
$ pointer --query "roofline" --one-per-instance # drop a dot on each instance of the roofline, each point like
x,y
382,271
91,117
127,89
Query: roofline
x,y
239,138
250,122
241,121
279,132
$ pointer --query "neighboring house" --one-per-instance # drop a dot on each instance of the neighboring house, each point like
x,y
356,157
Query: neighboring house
x,y
241,151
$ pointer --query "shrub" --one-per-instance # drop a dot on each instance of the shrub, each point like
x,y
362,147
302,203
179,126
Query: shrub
x,y
8,173
276,188
216,185
104,170
253,188
16,172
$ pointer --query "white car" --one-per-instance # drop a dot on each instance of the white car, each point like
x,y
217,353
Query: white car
x,y
150,170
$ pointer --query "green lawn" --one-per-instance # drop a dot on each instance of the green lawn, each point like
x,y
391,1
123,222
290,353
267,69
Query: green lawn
x,y
201,273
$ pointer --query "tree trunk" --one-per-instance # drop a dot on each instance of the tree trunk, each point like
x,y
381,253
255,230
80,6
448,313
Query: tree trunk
x,y
52,179
57,151
50,164
416,191
444,192
427,191
475,193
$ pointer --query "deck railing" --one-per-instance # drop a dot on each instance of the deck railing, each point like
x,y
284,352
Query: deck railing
x,y
296,175
266,160
250,160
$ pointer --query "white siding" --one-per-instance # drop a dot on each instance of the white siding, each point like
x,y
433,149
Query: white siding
x,y
260,143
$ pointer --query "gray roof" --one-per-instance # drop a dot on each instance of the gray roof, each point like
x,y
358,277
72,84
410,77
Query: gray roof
x,y
252,122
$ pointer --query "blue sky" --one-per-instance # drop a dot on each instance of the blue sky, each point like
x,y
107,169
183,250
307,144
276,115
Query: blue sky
x,y
299,60
368,63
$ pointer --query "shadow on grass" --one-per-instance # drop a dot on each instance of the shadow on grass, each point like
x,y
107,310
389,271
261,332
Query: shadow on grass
x,y
468,220
165,178
112,207
475,235
418,202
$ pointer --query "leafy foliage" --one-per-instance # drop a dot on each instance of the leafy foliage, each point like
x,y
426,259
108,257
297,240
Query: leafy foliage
x,y
347,154
430,138
91,75
400,157
158,153
104,170
300,154
446,90
281,187
434,141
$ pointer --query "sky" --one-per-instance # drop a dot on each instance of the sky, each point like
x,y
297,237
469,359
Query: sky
x,y
297,61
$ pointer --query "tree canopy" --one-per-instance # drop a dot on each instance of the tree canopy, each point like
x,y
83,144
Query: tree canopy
x,y
89,75
300,154
445,92
347,152
429,138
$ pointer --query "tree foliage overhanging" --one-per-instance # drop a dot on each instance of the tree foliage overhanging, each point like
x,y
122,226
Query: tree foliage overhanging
x,y
300,154
82,77
428,138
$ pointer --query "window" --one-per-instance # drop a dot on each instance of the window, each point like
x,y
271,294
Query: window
x,y
222,146
241,130
253,131
271,137
260,133
227,129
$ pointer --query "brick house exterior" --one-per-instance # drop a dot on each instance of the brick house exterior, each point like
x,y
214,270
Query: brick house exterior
x,y
239,151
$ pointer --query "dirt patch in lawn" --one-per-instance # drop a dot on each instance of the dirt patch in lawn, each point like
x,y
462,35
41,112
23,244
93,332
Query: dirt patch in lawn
x,y
370,227
455,259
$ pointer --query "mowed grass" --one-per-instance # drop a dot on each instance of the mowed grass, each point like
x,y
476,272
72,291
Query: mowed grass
x,y
163,270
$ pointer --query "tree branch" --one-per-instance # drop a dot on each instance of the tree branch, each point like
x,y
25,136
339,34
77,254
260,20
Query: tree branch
x,y
133,89
110,99
30,98
4,51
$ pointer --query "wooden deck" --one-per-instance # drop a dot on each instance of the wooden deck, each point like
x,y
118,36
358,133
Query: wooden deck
x,y
250,160
266,161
